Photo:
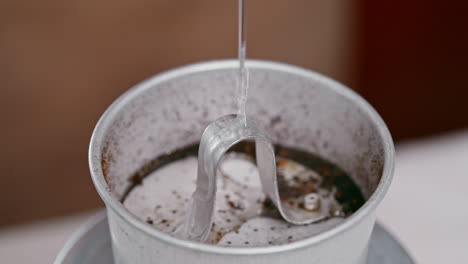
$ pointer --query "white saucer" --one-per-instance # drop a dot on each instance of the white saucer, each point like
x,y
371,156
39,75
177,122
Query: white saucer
x,y
91,244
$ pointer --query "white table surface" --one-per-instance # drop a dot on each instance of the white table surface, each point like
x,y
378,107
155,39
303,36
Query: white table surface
x,y
427,205
426,208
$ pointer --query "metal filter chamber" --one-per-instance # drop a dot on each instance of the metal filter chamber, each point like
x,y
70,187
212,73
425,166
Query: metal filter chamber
x,y
299,108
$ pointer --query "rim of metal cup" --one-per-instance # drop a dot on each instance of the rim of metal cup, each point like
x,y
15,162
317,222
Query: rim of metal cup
x,y
94,156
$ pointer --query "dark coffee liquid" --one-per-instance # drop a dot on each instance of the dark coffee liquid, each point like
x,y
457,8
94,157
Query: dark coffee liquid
x,y
347,193
160,194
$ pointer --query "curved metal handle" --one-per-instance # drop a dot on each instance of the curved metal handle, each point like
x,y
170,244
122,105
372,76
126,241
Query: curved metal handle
x,y
218,137
216,140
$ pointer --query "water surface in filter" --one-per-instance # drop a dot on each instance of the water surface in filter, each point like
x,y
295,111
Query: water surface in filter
x,y
244,216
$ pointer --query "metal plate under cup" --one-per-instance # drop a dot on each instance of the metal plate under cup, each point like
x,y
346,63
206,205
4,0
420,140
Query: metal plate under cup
x,y
92,245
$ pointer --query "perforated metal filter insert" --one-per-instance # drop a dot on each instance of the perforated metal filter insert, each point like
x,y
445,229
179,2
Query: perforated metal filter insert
x,y
240,219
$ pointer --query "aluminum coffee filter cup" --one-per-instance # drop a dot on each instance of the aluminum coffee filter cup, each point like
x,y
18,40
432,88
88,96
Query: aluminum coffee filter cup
x,y
299,108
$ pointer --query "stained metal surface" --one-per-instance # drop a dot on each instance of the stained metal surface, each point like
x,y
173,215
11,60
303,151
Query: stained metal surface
x,y
169,110
92,245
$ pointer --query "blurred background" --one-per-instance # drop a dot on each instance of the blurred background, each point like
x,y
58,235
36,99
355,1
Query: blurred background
x,y
63,62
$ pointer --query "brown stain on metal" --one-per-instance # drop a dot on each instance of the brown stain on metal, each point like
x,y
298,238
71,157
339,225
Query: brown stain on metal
x,y
106,159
